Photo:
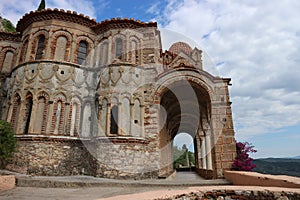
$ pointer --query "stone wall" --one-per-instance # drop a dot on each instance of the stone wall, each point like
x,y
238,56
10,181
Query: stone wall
x,y
51,157
126,158
233,195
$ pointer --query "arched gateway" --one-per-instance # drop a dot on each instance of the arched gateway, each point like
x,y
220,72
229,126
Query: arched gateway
x,y
111,103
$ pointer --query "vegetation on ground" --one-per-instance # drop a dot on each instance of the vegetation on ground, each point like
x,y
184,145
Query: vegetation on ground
x,y
180,158
7,142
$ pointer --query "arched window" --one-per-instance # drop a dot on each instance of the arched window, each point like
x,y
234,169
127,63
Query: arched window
x,y
133,51
103,117
40,47
60,49
74,118
16,112
104,53
24,51
136,125
59,117
125,119
114,120
40,115
28,109
7,63
119,48
82,52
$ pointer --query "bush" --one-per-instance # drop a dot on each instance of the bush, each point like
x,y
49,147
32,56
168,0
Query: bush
x,y
243,162
7,142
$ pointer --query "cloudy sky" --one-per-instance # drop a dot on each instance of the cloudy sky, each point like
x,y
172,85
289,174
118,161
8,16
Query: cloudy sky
x,y
254,42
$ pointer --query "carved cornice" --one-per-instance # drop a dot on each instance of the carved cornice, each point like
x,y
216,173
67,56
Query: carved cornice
x,y
118,23
13,37
49,14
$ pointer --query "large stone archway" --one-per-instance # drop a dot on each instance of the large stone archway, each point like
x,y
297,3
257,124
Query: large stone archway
x,y
196,103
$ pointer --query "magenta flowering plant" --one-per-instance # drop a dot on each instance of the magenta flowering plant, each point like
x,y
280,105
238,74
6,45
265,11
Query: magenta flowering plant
x,y
243,161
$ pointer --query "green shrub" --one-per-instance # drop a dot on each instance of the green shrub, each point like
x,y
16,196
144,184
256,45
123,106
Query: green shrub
x,y
7,142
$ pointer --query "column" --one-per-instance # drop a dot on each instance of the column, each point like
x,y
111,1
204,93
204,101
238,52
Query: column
x,y
33,116
108,119
203,153
208,150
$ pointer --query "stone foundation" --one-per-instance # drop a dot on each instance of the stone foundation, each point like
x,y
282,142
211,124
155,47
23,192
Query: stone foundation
x,y
51,157
125,158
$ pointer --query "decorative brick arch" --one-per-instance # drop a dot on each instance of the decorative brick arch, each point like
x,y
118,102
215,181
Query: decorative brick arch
x,y
91,46
42,112
173,77
35,41
24,49
58,117
55,36
3,55
134,52
74,116
113,47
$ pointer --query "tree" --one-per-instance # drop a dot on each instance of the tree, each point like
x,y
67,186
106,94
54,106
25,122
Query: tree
x,y
7,25
42,5
243,161
7,142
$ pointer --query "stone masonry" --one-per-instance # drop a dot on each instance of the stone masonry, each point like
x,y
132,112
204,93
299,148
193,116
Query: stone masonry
x,y
104,99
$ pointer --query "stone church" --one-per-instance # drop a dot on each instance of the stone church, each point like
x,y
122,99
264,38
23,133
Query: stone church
x,y
104,99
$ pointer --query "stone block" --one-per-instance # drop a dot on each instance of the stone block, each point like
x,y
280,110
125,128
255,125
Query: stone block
x,y
7,182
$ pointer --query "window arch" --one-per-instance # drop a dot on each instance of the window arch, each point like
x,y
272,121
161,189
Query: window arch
x,y
28,109
119,45
41,113
82,52
40,47
74,115
114,120
24,51
16,112
134,51
104,53
136,123
7,62
60,48
125,116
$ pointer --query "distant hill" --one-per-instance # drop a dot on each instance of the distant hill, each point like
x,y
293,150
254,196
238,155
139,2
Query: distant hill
x,y
278,166
6,25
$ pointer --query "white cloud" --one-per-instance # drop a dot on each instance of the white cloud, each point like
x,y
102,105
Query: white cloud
x,y
9,10
258,46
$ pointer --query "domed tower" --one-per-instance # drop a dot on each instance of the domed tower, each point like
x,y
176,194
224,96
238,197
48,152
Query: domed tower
x,y
47,89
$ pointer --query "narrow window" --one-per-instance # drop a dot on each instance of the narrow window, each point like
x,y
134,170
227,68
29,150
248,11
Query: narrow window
x,y
28,109
60,49
119,48
7,63
133,52
104,53
16,113
82,52
40,115
24,51
40,47
114,120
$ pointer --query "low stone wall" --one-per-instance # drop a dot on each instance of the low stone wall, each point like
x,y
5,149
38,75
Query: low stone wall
x,y
257,179
126,158
51,157
7,182
236,195
205,173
